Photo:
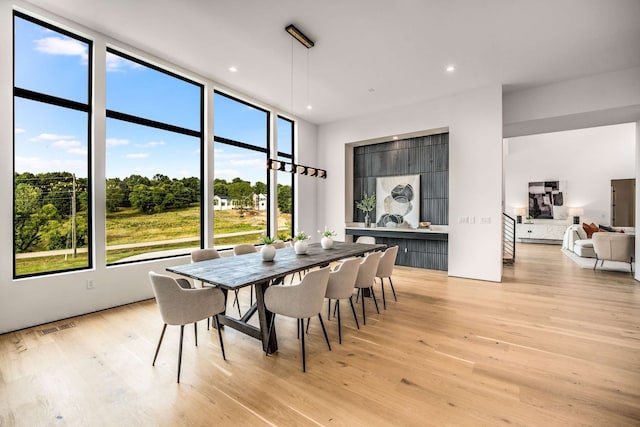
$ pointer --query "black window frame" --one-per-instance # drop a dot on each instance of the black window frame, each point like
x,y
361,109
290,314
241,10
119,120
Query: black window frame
x,y
292,158
137,120
265,150
87,108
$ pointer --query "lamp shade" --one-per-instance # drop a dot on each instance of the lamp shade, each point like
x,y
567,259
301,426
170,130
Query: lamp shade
x,y
520,211
576,211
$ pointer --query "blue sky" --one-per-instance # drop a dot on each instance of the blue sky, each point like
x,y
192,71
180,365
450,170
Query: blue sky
x,y
49,138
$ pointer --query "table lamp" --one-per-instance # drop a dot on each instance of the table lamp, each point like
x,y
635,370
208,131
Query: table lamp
x,y
519,213
576,213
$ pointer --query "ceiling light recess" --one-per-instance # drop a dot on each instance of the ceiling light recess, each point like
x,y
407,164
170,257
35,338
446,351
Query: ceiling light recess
x,y
298,35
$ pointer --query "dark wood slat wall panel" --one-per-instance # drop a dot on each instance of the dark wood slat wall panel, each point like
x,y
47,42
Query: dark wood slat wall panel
x,y
427,156
431,254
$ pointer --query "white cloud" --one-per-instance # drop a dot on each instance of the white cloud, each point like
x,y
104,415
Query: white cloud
x,y
19,131
111,142
116,63
151,144
227,174
66,144
137,155
62,46
81,151
50,137
40,165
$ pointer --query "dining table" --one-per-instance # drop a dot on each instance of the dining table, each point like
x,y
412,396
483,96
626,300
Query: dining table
x,y
235,272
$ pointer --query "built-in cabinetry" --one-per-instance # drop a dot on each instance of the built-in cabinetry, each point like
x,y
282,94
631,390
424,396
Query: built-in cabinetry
x,y
417,247
541,231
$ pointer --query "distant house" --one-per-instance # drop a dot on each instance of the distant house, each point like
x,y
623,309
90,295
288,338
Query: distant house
x,y
260,201
222,203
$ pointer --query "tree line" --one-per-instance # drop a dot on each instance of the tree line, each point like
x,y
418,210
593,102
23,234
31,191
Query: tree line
x,y
44,202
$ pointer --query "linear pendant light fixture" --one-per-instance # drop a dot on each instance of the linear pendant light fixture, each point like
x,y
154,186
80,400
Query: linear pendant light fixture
x,y
280,165
299,35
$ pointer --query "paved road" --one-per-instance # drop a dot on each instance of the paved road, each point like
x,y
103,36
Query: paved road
x,y
131,245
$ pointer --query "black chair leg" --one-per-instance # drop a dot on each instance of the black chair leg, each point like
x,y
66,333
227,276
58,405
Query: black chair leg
x,y
384,300
164,328
224,357
308,323
304,361
392,289
353,309
329,309
373,295
324,331
180,351
195,330
339,323
364,316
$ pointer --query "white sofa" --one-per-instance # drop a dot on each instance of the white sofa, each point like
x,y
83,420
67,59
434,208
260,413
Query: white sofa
x,y
575,240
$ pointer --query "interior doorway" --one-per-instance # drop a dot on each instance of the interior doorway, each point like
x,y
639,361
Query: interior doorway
x,y
623,202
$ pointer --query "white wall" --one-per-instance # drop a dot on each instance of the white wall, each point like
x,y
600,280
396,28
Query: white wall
x,y
598,100
585,159
475,171
32,301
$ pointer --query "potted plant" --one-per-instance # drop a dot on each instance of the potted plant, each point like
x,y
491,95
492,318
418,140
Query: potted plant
x,y
366,205
300,245
327,238
268,252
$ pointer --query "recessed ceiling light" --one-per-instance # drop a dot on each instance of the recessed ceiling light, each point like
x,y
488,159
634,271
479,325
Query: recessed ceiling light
x,y
371,90
395,137
309,107
233,69
451,68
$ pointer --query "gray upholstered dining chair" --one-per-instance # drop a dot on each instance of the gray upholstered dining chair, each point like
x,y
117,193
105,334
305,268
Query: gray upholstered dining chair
x,y
242,249
366,239
300,301
385,269
342,281
180,306
366,279
204,255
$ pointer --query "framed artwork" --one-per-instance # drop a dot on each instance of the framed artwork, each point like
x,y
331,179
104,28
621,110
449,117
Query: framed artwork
x,y
398,201
546,200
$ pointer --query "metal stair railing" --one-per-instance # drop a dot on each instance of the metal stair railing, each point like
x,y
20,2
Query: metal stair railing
x,y
508,239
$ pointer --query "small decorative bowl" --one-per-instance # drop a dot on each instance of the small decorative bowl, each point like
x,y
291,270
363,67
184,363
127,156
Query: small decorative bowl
x,y
425,224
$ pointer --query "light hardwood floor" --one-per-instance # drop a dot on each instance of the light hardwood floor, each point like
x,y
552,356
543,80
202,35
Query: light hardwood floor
x,y
552,345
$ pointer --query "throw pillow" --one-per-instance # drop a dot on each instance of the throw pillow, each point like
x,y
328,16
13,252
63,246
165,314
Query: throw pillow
x,y
607,228
590,229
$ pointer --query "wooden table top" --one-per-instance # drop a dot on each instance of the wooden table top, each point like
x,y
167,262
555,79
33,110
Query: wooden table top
x,y
243,270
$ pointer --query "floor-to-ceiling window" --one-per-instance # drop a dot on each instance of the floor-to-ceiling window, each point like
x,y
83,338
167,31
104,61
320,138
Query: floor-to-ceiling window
x,y
52,148
284,179
153,161
241,197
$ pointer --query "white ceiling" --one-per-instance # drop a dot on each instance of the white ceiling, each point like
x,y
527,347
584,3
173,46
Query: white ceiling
x,y
371,55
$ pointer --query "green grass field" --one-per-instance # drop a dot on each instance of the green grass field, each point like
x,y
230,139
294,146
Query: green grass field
x,y
129,227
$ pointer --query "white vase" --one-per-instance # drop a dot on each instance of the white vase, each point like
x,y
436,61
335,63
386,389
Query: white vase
x,y
268,252
326,242
300,247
